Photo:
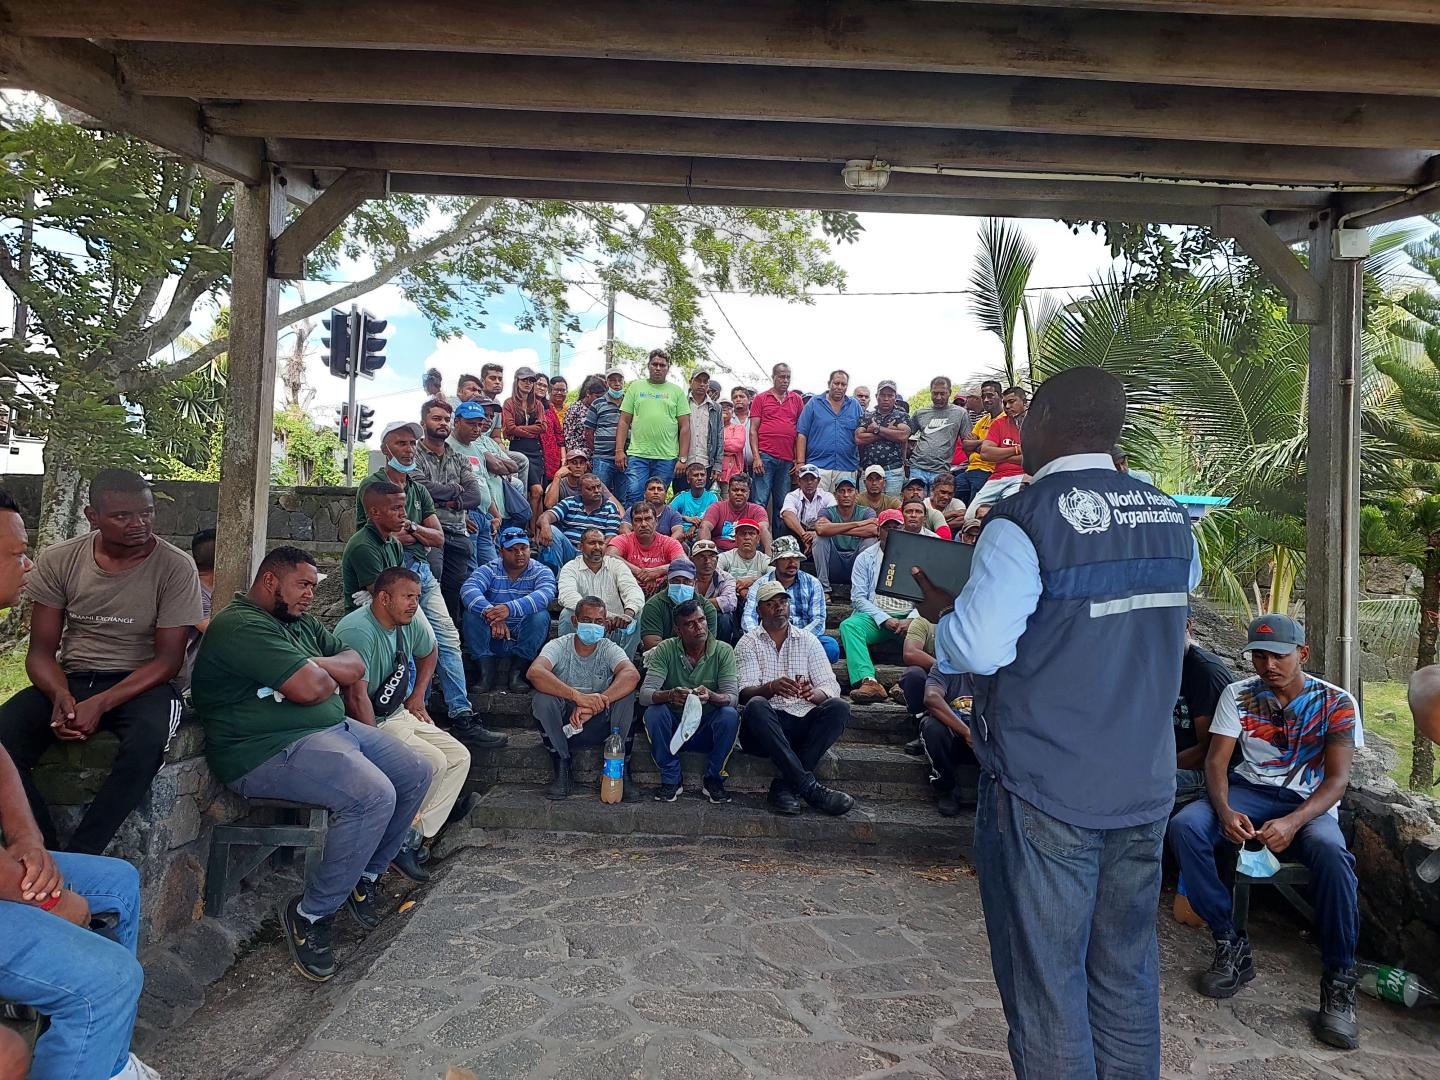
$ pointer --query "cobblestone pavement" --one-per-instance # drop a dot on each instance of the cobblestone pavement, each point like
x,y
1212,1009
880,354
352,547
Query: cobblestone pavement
x,y
723,966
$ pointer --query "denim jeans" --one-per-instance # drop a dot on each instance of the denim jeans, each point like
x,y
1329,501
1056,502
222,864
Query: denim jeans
x,y
917,473
770,487
1189,786
1195,834
527,636
451,667
372,784
88,985
894,480
1071,918
715,736
640,470
558,552
482,543
611,476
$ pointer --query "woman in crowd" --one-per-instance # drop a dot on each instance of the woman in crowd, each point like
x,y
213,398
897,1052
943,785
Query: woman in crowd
x,y
523,420
552,439
735,442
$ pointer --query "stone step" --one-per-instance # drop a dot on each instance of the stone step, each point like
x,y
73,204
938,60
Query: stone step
x,y
514,814
885,772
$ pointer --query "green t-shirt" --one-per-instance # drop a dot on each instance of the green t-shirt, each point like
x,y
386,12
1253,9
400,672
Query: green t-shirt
x,y
387,655
655,413
846,542
658,615
715,667
247,650
418,506
364,557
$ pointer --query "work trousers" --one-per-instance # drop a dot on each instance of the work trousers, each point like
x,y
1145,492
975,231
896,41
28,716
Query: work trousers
x,y
553,713
451,665
948,754
447,757
833,566
857,633
1070,913
912,685
794,744
715,737
86,983
1195,834
450,565
144,725
372,784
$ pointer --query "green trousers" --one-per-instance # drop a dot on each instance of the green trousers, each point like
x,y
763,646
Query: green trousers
x,y
857,633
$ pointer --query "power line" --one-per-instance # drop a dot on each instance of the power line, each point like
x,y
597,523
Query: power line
x,y
716,301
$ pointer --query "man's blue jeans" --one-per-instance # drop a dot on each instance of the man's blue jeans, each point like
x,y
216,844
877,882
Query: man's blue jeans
x,y
612,477
926,475
527,635
894,480
88,985
715,736
1195,834
482,542
451,667
640,470
558,552
770,487
372,784
1071,918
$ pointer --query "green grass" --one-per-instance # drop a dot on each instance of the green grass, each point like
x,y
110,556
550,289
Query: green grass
x,y
1387,713
12,673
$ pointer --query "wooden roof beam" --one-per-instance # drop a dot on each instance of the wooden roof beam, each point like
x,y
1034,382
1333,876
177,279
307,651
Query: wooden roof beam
x,y
742,175
85,78
767,140
1400,11
908,99
322,217
1273,255
1052,42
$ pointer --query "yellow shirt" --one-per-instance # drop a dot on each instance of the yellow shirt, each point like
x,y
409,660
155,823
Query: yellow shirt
x,y
979,431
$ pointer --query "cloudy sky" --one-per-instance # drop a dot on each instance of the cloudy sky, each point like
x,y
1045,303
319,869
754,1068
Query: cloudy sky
x,y
903,315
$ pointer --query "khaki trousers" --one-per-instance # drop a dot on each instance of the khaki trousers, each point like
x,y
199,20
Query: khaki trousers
x,y
447,757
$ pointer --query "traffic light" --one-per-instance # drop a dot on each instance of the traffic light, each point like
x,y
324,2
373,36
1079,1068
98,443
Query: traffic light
x,y
372,345
337,341
366,423
342,423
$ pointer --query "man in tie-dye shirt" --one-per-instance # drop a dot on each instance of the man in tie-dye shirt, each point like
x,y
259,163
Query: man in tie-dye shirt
x,y
1297,737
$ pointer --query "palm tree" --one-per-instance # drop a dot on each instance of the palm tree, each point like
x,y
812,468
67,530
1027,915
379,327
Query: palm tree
x,y
999,279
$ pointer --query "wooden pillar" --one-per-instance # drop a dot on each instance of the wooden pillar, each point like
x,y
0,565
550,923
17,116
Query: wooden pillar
x,y
244,500
1332,555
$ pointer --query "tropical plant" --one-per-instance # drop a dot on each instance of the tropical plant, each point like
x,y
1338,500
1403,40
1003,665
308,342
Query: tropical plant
x,y
998,282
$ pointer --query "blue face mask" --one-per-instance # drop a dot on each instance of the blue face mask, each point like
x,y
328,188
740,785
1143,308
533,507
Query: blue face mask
x,y
589,633
680,593
1257,864
616,394
403,468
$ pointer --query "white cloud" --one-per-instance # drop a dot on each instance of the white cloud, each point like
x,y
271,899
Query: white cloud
x,y
509,328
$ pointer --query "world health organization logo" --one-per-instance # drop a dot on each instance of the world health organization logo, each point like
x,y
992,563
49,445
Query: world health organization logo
x,y
1085,511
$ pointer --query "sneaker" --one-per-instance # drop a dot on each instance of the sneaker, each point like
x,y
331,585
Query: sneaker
x,y
868,692
364,903
1335,1022
407,859
714,789
668,792
135,1069
915,748
782,800
949,803
309,942
1231,969
828,800
466,727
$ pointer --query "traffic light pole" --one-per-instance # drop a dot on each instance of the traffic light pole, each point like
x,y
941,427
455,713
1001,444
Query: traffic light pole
x,y
356,345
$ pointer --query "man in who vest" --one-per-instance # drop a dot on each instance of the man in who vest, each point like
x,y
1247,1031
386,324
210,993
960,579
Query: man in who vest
x,y
1079,666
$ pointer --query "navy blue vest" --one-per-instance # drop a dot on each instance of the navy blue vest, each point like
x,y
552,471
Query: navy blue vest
x,y
1079,724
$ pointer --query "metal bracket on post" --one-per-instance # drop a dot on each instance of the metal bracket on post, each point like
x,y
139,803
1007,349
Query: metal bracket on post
x,y
1273,255
321,218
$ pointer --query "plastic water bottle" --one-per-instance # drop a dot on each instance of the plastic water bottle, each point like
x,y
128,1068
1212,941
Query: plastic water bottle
x,y
612,776
1395,984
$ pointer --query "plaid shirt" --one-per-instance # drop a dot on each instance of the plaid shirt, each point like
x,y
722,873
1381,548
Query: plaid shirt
x,y
757,661
807,603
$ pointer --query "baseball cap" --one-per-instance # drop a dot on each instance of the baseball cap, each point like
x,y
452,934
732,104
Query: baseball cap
x,y
680,568
703,545
469,410
845,478
786,547
1273,633
524,373
769,590
809,470
614,371
577,451
886,384
890,517
397,425
747,523
512,536
874,470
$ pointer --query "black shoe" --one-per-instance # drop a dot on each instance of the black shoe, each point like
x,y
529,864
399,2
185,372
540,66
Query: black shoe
x,y
1335,1022
1231,969
669,792
714,789
466,727
518,684
782,800
560,787
949,803
462,808
489,675
502,673
309,942
915,748
828,800
364,903
407,862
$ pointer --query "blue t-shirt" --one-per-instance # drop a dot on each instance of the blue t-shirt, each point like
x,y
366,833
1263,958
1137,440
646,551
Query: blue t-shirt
x,y
687,505
666,521
830,436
